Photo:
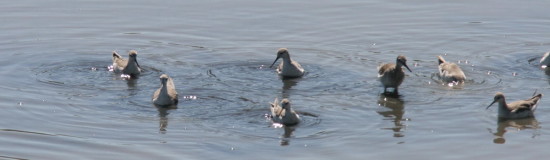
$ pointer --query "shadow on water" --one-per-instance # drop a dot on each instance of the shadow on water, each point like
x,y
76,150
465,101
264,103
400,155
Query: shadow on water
x,y
285,139
547,71
287,85
396,112
163,119
131,83
516,124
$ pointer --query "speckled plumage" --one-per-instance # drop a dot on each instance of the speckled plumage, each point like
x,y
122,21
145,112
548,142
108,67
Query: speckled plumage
x,y
450,72
391,75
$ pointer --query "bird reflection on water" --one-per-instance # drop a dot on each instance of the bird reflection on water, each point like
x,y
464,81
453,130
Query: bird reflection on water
x,y
505,125
163,119
285,139
287,85
396,112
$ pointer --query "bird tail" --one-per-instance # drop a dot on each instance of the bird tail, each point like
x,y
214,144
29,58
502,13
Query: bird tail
x,y
440,59
116,55
275,102
535,100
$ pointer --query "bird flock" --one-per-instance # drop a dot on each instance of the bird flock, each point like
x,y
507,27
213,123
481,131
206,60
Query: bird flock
x,y
391,75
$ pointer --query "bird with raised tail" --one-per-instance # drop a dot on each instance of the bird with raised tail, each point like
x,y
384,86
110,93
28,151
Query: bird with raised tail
x,y
281,112
166,94
128,66
517,109
391,75
288,68
450,72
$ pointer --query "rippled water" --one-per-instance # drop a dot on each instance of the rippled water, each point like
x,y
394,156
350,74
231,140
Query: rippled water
x,y
59,101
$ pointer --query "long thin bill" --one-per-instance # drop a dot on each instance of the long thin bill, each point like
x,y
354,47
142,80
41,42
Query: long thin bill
x,y
407,67
490,104
274,62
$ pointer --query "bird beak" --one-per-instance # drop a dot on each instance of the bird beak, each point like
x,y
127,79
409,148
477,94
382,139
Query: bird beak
x,y
407,67
135,60
274,61
490,104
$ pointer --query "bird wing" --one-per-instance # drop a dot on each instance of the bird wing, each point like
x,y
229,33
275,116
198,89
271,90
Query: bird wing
x,y
451,70
297,65
119,61
156,94
528,104
383,68
276,109
171,89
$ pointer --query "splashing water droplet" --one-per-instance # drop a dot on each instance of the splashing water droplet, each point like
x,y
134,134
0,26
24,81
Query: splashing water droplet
x,y
111,68
125,76
450,84
277,125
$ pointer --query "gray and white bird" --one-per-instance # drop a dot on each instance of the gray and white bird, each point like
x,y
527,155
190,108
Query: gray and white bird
x,y
391,75
166,94
450,72
517,109
288,68
283,113
128,66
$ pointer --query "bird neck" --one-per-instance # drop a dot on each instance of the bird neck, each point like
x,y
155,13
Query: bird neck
x,y
398,66
287,60
132,63
163,89
287,109
163,94
502,105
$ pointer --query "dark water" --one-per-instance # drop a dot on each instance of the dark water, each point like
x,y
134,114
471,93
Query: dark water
x,y
59,101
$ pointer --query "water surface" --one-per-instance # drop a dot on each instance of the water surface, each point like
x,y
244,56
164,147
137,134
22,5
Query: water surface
x,y
59,101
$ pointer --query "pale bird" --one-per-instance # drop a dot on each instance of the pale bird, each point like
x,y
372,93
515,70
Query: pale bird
x,y
283,113
391,75
450,72
166,94
128,66
517,109
288,68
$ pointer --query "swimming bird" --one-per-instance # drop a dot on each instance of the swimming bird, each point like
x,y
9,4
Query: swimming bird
x,y
128,66
166,94
391,75
450,72
288,68
517,109
545,61
283,113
